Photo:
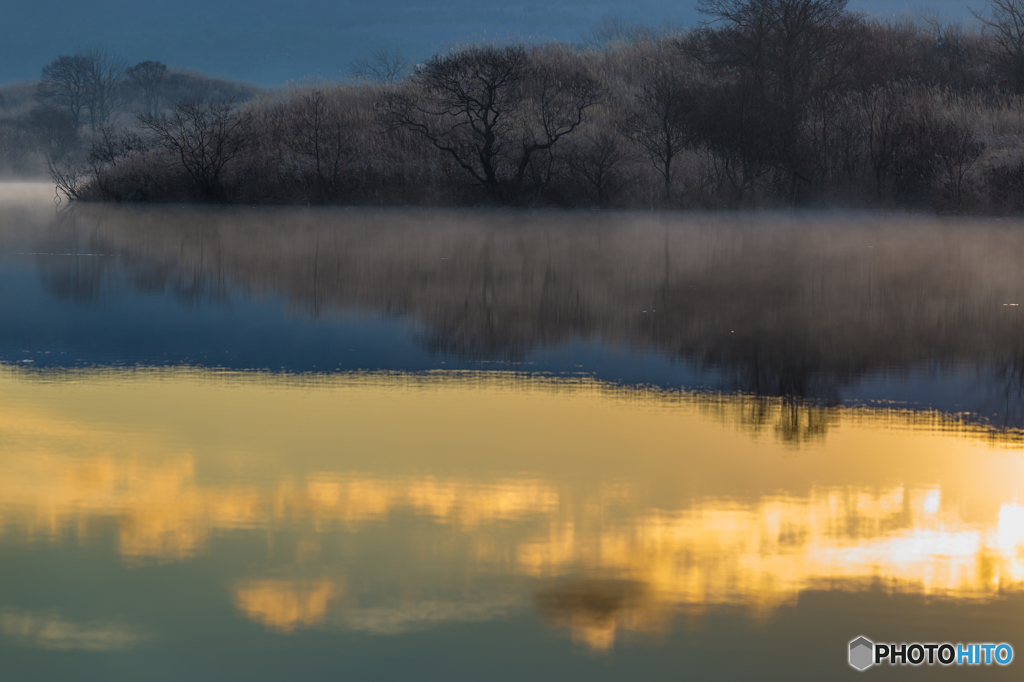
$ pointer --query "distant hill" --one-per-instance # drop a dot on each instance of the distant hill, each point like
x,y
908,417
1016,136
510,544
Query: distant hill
x,y
270,42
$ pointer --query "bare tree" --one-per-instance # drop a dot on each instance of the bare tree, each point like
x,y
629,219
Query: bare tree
x,y
105,75
70,179
492,109
957,150
205,137
741,129
657,118
556,94
1004,24
384,66
883,116
795,45
792,50
463,103
65,84
148,79
111,147
320,131
597,161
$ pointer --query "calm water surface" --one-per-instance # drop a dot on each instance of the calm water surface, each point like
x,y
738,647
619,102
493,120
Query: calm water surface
x,y
267,444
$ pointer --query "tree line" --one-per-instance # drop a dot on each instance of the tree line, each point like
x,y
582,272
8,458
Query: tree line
x,y
84,97
768,103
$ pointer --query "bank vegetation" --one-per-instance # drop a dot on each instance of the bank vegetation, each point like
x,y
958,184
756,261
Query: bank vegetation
x,y
768,103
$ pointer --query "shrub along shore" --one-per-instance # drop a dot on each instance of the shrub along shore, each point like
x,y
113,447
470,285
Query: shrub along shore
x,y
770,103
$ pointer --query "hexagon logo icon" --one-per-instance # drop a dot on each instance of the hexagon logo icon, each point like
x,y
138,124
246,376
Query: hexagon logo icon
x,y
862,653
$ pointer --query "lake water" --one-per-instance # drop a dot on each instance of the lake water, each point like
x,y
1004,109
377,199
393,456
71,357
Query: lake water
x,y
270,444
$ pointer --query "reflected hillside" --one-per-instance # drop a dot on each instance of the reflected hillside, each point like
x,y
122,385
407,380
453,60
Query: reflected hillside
x,y
407,502
792,305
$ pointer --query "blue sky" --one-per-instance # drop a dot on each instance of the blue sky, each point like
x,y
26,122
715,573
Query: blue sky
x,y
271,41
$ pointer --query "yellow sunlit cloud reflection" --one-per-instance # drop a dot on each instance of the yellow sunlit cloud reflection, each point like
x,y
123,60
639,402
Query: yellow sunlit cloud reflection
x,y
285,605
48,630
594,560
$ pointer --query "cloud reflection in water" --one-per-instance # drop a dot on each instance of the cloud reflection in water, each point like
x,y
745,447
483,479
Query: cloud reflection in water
x,y
479,540
48,630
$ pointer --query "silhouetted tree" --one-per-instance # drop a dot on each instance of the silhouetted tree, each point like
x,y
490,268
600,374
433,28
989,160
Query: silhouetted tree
x,y
320,132
915,160
882,111
204,136
148,80
463,103
957,149
65,83
597,161
70,179
556,93
491,109
657,120
792,50
113,145
109,149
741,129
384,66
105,74
1004,24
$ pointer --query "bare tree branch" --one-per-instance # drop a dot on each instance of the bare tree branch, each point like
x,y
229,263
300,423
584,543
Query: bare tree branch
x,y
204,136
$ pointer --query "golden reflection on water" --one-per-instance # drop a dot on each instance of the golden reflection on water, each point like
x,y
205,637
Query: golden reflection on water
x,y
607,510
284,605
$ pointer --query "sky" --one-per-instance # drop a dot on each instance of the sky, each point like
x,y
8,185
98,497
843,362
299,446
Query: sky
x,y
272,41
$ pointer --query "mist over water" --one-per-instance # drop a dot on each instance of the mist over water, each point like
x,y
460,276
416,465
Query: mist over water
x,y
864,308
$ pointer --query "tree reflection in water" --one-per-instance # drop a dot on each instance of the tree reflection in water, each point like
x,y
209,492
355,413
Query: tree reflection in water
x,y
801,306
